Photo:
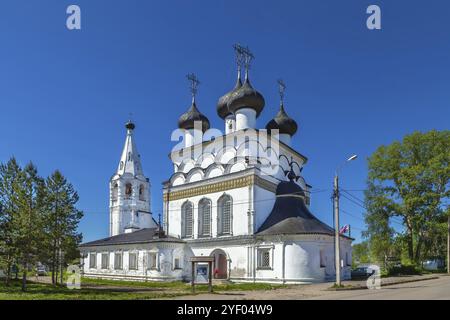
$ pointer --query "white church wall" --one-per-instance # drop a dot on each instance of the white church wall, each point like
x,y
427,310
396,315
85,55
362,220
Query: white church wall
x,y
304,261
237,258
166,255
263,204
240,198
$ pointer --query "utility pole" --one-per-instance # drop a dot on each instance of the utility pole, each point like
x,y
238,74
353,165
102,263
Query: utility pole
x,y
337,251
337,254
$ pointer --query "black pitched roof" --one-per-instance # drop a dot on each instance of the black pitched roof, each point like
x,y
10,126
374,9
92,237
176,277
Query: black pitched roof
x,y
290,215
141,236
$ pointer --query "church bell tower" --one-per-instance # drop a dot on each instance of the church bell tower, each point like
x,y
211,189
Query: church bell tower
x,y
129,191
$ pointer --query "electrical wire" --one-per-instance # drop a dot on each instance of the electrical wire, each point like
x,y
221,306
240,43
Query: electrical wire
x,y
215,206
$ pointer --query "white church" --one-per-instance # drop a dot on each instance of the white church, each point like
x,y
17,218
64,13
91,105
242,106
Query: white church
x,y
238,196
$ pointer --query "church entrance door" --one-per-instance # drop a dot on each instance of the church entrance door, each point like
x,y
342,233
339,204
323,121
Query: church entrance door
x,y
220,265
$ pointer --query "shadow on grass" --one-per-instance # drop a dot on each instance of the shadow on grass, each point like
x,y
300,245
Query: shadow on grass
x,y
94,289
39,291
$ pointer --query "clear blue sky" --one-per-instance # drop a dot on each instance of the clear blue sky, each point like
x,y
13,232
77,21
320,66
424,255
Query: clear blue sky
x,y
65,95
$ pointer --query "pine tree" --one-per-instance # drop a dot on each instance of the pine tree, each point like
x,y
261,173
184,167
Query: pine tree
x,y
61,221
9,180
29,222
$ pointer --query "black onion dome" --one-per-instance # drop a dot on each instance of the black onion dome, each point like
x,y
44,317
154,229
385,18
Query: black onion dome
x,y
282,122
222,104
130,125
246,97
290,215
188,119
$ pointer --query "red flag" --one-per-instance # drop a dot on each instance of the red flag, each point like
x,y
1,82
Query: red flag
x,y
344,229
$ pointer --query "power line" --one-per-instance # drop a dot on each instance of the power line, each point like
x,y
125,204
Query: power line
x,y
354,197
351,215
364,207
353,201
234,203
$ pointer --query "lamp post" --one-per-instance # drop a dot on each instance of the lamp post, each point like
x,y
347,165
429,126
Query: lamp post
x,y
337,254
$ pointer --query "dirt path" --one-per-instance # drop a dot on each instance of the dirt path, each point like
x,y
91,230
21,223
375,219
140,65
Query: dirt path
x,y
311,291
294,292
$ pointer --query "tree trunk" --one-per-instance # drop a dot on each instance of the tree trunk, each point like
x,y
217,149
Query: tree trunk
x,y
56,267
8,274
61,266
410,245
418,250
24,278
53,264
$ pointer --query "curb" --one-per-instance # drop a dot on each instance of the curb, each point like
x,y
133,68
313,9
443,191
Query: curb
x,y
382,285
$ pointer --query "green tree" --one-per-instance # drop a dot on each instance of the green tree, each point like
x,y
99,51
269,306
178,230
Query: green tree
x,y
409,180
28,224
361,252
61,222
379,232
9,180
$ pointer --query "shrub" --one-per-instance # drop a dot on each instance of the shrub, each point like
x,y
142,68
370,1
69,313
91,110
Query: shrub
x,y
403,270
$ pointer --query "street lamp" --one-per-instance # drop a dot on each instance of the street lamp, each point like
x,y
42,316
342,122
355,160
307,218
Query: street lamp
x,y
337,254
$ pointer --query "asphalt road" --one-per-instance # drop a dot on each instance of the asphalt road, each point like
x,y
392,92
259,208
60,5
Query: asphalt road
x,y
437,289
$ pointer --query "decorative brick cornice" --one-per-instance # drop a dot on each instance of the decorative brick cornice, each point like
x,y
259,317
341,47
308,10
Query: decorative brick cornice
x,y
220,187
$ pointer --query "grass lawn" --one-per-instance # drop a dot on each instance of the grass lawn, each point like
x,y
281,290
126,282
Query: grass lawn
x,y
96,289
182,286
41,291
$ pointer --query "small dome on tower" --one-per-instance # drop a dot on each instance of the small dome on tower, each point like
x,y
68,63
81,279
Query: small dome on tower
x,y
282,122
188,119
246,97
130,125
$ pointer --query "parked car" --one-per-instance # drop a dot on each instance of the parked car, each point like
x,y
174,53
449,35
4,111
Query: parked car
x,y
433,264
362,273
41,270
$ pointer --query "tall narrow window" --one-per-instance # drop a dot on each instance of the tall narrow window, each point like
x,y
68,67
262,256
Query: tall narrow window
x,y
105,260
115,192
152,261
204,217
186,219
142,192
224,218
118,261
93,260
176,263
322,259
128,190
132,261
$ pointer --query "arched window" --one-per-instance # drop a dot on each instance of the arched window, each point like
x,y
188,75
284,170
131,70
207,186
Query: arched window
x,y
186,219
204,218
142,192
128,190
115,192
224,215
